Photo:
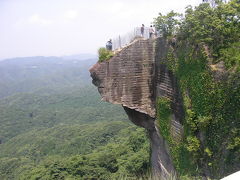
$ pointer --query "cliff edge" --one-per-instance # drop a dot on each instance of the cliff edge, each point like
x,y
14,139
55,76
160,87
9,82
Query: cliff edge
x,y
127,78
134,78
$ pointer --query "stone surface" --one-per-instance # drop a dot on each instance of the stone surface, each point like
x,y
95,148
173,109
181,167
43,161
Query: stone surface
x,y
161,161
166,85
127,79
134,78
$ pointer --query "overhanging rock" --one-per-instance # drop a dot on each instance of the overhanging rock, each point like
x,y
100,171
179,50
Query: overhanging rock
x,y
128,77
134,78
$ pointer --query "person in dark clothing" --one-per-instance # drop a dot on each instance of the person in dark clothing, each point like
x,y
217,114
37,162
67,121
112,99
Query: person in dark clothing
x,y
109,45
142,30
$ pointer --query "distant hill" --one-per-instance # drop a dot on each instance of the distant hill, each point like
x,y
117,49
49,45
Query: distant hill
x,y
29,74
80,56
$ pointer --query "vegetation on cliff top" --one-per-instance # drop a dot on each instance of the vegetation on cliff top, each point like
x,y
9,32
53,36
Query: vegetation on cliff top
x,y
104,54
206,38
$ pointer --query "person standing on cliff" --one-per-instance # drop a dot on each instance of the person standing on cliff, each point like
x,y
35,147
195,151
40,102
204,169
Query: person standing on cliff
x,y
142,30
109,45
151,32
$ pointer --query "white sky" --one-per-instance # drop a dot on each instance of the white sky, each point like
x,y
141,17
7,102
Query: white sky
x,y
64,27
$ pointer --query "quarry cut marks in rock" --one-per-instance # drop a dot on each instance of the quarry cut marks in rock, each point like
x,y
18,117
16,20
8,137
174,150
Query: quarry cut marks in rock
x,y
134,78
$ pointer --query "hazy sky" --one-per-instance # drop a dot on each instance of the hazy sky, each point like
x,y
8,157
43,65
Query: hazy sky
x,y
64,27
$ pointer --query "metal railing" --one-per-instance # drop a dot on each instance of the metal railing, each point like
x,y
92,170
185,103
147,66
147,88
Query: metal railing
x,y
123,40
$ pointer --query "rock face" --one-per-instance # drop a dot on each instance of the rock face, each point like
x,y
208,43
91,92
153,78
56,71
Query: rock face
x,y
127,78
134,78
166,86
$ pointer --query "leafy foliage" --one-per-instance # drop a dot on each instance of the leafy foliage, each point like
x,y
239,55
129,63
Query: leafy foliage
x,y
163,114
106,161
167,25
217,27
178,149
208,35
231,56
104,54
193,144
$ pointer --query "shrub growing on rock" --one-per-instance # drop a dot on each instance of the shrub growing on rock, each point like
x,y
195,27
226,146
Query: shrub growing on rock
x,y
104,54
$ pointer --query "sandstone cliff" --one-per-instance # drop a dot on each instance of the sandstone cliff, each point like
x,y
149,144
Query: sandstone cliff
x,y
134,78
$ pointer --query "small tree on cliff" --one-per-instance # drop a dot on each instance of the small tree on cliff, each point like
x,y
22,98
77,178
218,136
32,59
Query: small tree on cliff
x,y
104,54
168,24
217,27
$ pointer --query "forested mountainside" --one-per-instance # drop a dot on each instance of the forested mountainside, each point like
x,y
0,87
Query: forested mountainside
x,y
55,126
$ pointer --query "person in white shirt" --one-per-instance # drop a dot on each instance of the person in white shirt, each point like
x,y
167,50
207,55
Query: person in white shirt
x,y
151,32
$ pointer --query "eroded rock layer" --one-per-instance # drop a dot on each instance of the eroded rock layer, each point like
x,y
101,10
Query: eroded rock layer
x,y
127,79
166,85
134,78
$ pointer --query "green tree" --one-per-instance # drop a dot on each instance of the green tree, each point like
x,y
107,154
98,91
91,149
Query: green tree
x,y
168,24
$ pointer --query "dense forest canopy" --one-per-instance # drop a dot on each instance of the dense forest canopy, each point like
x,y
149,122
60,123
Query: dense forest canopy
x,y
55,126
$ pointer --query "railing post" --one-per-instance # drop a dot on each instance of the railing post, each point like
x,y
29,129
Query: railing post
x,y
122,41
120,45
